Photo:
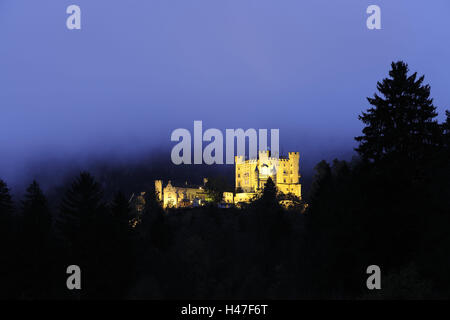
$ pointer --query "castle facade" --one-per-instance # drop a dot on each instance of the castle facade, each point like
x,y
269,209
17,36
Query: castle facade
x,y
180,196
251,175
250,178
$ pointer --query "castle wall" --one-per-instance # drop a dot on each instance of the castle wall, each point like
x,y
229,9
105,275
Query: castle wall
x,y
243,197
228,197
251,175
159,189
180,196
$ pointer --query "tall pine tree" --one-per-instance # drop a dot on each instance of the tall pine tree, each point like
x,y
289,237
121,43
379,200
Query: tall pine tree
x,y
401,124
6,204
121,258
269,194
121,210
37,219
446,130
6,213
7,244
81,226
36,244
81,205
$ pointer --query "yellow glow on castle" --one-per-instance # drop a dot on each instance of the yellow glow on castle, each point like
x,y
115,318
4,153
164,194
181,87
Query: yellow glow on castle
x,y
250,178
251,175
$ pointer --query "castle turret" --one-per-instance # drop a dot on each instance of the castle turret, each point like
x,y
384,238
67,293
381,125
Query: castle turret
x,y
294,158
158,189
238,159
263,155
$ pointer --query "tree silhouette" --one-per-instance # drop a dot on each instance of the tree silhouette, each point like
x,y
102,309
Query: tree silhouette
x,y
79,209
152,208
401,122
321,181
6,205
37,219
6,212
118,253
373,210
215,187
85,231
121,211
7,248
153,227
269,194
36,244
446,130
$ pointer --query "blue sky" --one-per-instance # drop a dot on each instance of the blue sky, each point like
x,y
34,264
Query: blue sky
x,y
140,69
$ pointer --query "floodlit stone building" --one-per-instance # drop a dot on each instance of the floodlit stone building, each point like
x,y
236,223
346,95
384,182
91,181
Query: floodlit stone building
x,y
180,196
250,178
251,175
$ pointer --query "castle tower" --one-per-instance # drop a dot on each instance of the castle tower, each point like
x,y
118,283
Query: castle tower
x,y
239,164
158,189
170,196
264,156
294,158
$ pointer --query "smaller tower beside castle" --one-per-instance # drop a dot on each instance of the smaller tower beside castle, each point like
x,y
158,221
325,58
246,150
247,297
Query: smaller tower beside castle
x,y
159,189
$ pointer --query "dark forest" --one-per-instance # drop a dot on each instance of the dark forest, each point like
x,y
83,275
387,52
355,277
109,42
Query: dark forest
x,y
389,206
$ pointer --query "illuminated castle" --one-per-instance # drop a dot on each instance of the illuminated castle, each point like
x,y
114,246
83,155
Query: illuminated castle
x,y
180,196
250,178
251,175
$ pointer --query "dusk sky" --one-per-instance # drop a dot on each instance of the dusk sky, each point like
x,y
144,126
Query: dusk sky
x,y
139,69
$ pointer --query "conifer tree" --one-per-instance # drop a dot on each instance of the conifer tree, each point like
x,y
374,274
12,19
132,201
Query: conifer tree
x,y
154,227
118,253
215,187
269,194
6,213
446,129
401,122
152,208
37,219
121,214
6,205
322,180
84,227
35,239
81,203
7,259
121,209
80,211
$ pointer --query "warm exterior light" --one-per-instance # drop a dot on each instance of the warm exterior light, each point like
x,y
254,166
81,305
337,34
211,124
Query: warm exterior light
x,y
252,177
